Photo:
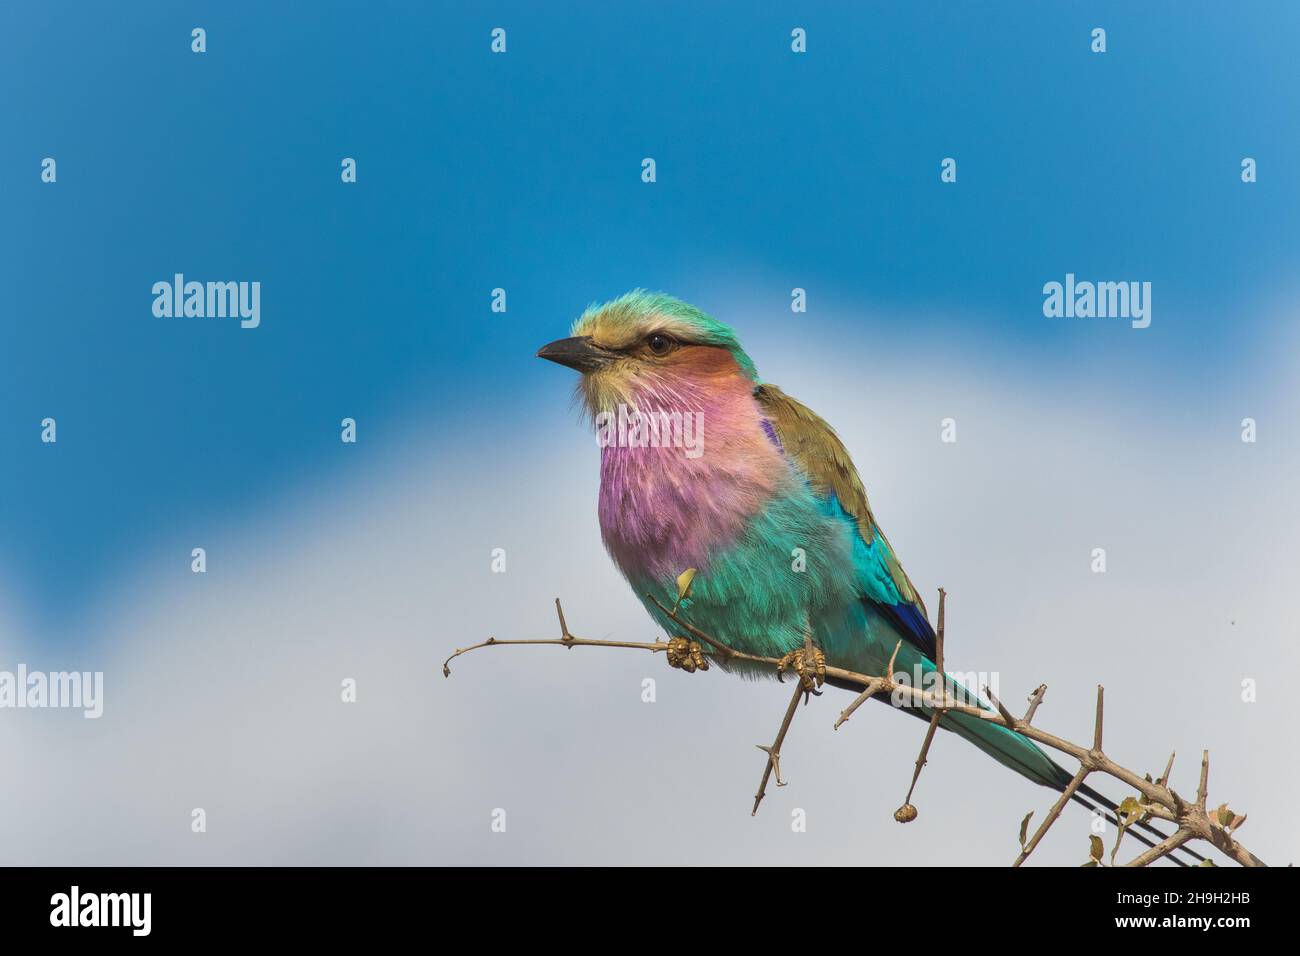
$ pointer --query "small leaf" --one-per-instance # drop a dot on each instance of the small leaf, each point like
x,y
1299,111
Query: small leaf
x,y
1024,828
1097,847
1224,815
1206,863
1129,806
1091,863
684,582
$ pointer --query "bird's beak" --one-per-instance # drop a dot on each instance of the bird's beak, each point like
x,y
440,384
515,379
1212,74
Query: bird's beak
x,y
578,352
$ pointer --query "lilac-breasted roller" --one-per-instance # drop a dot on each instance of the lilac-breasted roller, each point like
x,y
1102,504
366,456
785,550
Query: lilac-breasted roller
x,y
765,480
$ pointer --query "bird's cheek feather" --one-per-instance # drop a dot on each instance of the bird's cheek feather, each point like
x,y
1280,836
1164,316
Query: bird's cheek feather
x,y
607,388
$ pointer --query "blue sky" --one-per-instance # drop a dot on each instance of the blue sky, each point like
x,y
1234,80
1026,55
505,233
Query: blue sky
x,y
522,171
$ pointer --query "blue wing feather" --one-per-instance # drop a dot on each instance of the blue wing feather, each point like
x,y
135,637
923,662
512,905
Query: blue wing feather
x,y
880,591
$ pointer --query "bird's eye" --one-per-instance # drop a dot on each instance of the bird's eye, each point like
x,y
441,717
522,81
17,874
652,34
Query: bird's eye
x,y
659,343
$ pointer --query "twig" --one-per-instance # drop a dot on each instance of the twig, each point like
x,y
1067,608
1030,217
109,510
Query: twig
x,y
560,642
1007,718
872,687
1159,800
805,687
567,640
1163,848
1052,814
907,812
868,692
1096,730
1164,777
1035,699
774,752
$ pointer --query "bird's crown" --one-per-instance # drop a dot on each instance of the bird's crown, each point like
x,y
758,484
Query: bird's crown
x,y
620,322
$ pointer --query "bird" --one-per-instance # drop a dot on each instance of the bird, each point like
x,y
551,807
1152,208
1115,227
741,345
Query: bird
x,y
706,466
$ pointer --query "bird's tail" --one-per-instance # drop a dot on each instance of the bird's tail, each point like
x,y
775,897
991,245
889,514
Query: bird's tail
x,y
1022,755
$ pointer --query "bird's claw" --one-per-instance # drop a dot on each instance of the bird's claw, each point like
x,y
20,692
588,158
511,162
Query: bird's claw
x,y
809,665
686,655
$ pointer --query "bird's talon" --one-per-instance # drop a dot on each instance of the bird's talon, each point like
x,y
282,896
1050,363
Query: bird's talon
x,y
810,668
686,655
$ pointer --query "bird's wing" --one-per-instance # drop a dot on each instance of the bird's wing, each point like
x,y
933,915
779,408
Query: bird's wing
x,y
813,445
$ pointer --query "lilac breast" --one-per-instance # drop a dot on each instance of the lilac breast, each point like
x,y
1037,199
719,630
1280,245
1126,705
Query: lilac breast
x,y
662,511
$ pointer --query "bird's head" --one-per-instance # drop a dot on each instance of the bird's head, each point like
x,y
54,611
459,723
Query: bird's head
x,y
650,348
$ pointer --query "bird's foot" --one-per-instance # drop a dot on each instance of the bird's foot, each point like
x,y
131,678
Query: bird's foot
x,y
808,663
686,655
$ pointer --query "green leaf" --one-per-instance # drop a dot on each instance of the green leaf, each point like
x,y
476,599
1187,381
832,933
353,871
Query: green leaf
x,y
684,582
1129,806
1206,863
1097,847
1024,828
1225,815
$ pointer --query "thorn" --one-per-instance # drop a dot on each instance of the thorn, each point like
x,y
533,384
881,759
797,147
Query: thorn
x,y
564,627
1035,699
1096,731
1164,779
1006,714
893,658
938,637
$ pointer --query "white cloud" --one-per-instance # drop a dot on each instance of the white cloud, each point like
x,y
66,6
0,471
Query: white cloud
x,y
222,691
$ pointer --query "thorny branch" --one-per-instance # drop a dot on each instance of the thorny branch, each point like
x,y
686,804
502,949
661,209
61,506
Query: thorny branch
x,y
1155,798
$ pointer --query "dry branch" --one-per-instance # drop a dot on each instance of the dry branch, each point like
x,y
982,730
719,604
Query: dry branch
x,y
1155,800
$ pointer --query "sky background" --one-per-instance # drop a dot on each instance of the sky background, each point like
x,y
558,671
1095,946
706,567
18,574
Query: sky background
x,y
522,171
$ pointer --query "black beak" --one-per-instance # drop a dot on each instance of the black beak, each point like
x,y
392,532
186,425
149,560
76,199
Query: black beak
x,y
578,353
